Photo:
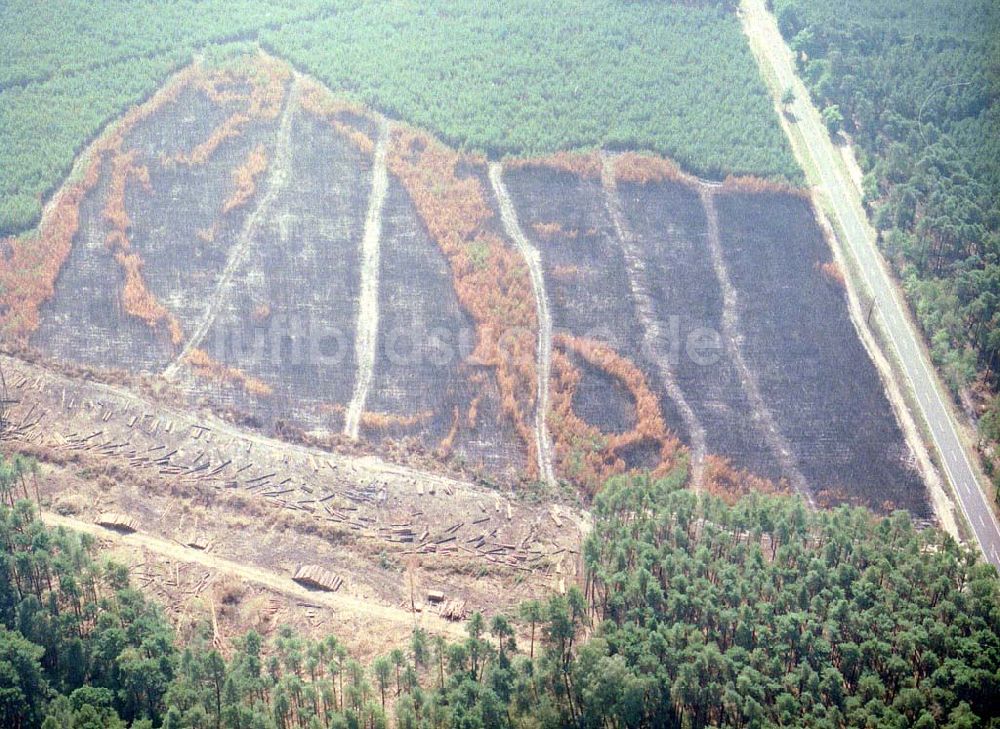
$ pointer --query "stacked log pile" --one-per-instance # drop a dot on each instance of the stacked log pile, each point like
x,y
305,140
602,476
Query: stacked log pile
x,y
318,578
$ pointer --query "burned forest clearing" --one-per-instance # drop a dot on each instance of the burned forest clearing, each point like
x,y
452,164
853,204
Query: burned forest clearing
x,y
269,319
519,365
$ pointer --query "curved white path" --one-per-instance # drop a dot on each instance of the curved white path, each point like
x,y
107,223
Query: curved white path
x,y
508,216
277,181
366,333
654,341
281,583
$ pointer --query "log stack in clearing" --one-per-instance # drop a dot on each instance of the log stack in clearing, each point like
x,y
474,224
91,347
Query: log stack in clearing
x,y
317,578
117,521
454,609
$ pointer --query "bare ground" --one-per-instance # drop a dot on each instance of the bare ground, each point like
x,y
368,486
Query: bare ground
x,y
266,506
277,582
654,340
944,507
277,180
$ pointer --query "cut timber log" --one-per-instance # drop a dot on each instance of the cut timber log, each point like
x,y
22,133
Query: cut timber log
x,y
453,610
117,521
199,542
317,578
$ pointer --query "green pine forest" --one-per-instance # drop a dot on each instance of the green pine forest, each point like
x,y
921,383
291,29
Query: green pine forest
x,y
694,613
916,84
672,78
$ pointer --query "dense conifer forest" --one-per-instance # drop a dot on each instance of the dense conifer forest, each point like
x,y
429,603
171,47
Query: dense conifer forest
x,y
915,85
693,613
674,78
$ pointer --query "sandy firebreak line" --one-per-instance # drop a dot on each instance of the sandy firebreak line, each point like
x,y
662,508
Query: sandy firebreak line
x,y
276,182
733,338
652,333
366,339
272,580
508,217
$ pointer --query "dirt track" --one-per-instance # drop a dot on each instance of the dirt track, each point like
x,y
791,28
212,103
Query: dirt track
x,y
272,580
812,146
277,181
366,339
508,216
120,399
275,505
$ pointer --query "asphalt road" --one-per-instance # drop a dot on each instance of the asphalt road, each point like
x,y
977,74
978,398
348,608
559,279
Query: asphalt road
x,y
776,60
